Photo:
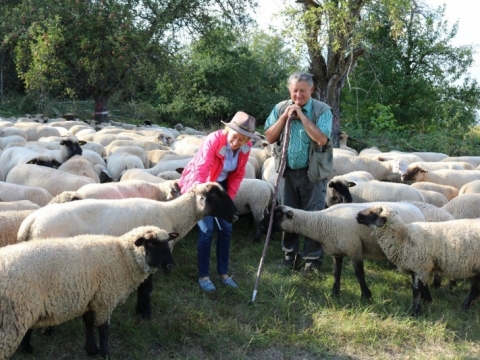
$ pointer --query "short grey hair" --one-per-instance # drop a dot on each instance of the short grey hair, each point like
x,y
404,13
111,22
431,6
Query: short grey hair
x,y
301,76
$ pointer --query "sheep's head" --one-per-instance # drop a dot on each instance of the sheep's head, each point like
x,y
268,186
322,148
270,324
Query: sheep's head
x,y
338,192
414,174
375,216
158,246
280,213
213,200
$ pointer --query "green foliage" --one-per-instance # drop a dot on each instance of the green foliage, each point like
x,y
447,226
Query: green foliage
x,y
417,74
383,119
223,72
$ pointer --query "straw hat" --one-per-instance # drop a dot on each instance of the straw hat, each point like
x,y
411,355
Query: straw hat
x,y
243,124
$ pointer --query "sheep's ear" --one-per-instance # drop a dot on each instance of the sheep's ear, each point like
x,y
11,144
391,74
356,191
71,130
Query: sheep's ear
x,y
380,221
179,170
62,142
351,184
172,235
33,161
56,163
81,142
289,214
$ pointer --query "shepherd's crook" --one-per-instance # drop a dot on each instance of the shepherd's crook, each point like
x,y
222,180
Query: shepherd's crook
x,y
281,169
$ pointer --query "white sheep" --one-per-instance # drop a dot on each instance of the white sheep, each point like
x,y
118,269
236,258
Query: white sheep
x,y
80,165
472,187
18,205
133,150
119,162
15,192
448,191
140,174
455,178
11,221
474,160
335,229
466,206
254,196
450,249
430,156
164,191
434,198
341,191
45,283
52,180
343,164
35,131
439,165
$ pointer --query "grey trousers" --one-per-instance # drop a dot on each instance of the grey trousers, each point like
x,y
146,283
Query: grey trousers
x,y
297,191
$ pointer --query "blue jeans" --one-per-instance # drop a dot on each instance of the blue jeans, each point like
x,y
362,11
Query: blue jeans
x,y
205,237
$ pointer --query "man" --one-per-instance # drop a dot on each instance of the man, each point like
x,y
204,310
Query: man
x,y
313,122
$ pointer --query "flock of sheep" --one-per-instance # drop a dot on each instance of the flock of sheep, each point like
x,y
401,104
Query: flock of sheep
x,y
94,210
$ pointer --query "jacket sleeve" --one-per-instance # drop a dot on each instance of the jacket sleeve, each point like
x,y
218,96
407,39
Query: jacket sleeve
x,y
203,162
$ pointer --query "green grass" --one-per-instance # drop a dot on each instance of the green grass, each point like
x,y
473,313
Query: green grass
x,y
293,316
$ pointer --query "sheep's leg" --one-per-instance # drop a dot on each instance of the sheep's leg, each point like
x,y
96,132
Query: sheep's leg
x,y
437,280
473,293
337,273
90,344
418,291
143,299
104,333
26,342
424,290
360,275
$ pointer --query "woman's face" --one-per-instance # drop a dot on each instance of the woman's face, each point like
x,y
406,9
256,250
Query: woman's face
x,y
236,140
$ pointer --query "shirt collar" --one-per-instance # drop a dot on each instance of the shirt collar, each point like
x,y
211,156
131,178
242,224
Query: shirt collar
x,y
308,106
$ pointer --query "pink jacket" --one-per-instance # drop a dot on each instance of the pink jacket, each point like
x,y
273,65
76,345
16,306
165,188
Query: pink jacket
x,y
207,164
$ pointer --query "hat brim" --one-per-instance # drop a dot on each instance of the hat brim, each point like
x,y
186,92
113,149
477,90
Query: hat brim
x,y
241,131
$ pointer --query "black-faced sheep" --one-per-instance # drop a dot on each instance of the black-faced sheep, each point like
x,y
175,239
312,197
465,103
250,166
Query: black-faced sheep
x,y
45,283
450,249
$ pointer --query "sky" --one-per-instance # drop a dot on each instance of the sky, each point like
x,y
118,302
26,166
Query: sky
x,y
456,10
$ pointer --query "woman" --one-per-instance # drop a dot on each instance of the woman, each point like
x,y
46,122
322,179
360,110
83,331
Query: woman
x,y
222,157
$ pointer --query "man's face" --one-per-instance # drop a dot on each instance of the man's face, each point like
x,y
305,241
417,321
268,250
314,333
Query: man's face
x,y
300,92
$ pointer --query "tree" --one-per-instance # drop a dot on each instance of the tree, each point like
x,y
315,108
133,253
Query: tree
x,y
84,48
332,34
417,74
225,71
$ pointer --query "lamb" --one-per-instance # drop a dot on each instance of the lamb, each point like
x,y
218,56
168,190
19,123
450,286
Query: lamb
x,y
448,191
455,178
11,221
45,283
450,249
165,191
120,216
339,235
254,196
18,205
337,192
52,180
466,206
14,192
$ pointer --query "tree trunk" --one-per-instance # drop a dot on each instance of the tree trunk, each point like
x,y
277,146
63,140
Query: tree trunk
x,y
101,113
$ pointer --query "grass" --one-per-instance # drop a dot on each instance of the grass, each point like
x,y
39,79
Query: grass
x,y
293,316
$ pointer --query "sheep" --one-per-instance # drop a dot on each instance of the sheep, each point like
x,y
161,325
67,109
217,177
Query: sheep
x,y
433,213
268,171
170,174
434,198
45,283
430,156
82,166
254,196
474,160
96,147
144,144
133,150
343,164
337,192
103,139
167,165
154,156
20,155
450,249
339,235
466,206
140,174
165,191
13,140
52,180
261,154
14,192
35,131
13,130
119,162
184,147
455,178
448,191
115,217
432,166
11,221
343,138
18,205
472,187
